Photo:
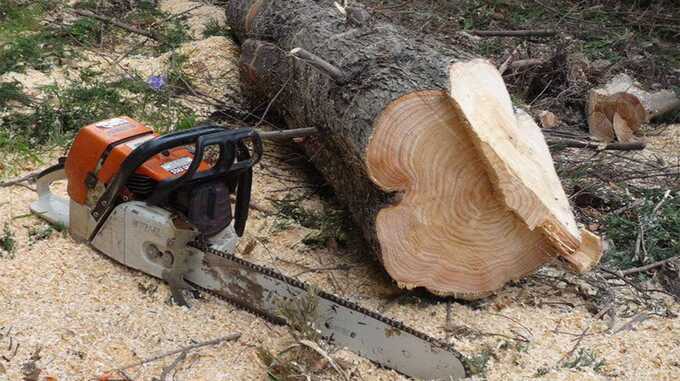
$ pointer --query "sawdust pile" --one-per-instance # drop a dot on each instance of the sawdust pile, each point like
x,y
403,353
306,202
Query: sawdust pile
x,y
199,14
90,315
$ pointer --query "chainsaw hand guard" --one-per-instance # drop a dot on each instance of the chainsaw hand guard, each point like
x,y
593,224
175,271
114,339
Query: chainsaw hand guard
x,y
233,166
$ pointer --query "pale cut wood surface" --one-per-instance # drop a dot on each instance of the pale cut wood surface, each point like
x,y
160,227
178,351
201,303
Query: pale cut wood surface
x,y
634,106
517,159
449,231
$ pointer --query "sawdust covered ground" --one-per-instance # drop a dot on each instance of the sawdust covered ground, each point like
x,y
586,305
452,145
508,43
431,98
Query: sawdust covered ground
x,y
87,314
79,314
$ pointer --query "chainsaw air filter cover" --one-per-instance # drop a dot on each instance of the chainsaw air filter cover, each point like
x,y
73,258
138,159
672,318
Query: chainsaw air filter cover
x,y
100,148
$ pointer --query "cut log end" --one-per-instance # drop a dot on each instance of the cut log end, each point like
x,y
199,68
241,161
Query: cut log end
x,y
480,203
449,232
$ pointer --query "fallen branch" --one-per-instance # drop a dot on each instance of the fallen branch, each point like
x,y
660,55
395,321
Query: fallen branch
x,y
573,143
129,28
630,325
166,371
21,179
288,134
508,61
230,337
648,267
526,62
321,64
515,33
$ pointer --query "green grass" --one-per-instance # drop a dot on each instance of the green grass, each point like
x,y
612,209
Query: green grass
x,y
65,109
39,51
661,230
213,28
16,18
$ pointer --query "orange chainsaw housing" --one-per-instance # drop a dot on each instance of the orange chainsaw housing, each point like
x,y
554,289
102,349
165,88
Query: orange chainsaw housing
x,y
99,149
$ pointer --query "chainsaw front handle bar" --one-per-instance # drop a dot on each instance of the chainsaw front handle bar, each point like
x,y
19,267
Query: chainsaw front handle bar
x,y
230,142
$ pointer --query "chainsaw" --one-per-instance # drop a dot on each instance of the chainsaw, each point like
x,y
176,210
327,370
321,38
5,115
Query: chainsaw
x,y
162,204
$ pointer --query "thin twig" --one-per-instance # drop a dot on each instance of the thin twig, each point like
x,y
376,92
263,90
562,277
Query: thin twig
x,y
315,347
122,25
319,269
630,325
515,33
21,179
166,371
508,61
288,134
519,64
573,143
271,102
230,337
651,266
663,199
632,205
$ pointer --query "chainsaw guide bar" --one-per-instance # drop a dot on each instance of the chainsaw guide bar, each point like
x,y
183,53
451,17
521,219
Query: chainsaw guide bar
x,y
388,342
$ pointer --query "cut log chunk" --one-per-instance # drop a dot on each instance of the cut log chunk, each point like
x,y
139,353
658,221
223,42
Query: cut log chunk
x,y
518,160
619,109
449,231
402,154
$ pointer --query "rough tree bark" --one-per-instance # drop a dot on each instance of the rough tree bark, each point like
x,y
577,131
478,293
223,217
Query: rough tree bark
x,y
390,146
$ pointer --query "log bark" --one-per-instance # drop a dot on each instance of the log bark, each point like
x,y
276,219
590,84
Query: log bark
x,y
393,144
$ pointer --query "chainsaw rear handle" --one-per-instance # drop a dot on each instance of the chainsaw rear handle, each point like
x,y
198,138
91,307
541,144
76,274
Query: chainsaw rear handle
x,y
229,141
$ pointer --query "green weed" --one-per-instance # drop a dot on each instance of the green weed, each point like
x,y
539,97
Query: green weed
x,y
585,358
7,241
12,92
331,224
174,34
17,17
298,361
477,364
213,28
39,233
177,81
85,31
661,237
54,119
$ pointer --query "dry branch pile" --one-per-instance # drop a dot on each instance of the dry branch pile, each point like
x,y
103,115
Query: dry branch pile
x,y
454,192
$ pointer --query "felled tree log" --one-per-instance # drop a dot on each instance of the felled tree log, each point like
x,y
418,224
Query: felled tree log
x,y
399,149
619,108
